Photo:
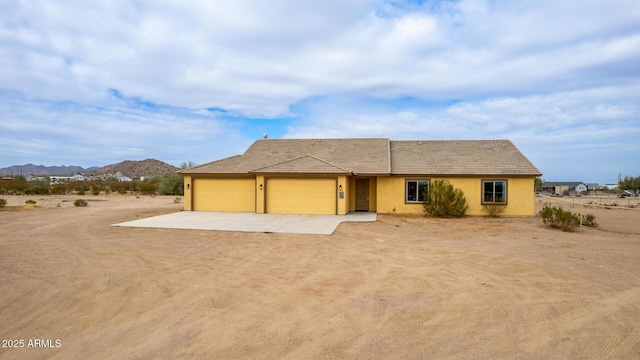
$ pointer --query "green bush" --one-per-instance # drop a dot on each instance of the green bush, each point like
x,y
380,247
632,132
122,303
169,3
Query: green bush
x,y
493,210
30,202
443,200
59,189
3,203
38,187
589,220
80,203
148,187
171,184
557,217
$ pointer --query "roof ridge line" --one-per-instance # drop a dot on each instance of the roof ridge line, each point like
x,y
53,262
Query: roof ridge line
x,y
298,158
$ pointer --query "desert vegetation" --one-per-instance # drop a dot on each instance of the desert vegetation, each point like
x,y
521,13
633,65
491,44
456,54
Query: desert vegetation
x,y
170,184
443,200
80,203
565,219
493,210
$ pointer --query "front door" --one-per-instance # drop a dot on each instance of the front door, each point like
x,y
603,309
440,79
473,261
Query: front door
x,y
362,194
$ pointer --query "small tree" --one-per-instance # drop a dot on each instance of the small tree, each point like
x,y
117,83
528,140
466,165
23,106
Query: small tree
x,y
171,184
187,165
443,200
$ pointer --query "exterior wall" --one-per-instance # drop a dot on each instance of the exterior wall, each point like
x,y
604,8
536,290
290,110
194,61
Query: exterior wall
x,y
187,193
260,194
520,195
343,202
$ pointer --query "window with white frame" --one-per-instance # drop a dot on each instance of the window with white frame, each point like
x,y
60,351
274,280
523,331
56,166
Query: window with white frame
x,y
416,191
494,191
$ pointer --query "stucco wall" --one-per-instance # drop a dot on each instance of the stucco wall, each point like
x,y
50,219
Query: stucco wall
x,y
520,195
187,193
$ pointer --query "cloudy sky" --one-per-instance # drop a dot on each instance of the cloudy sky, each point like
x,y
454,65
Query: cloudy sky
x,y
97,82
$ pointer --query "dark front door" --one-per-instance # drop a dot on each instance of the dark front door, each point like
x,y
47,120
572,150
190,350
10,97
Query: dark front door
x,y
362,194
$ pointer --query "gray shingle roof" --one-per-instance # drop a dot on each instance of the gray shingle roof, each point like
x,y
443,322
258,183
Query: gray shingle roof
x,y
363,156
375,157
307,164
459,157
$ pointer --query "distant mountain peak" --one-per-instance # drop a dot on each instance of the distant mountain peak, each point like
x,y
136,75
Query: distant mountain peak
x,y
136,168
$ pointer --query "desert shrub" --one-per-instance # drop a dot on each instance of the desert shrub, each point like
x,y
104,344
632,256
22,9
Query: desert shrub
x,y
14,187
177,200
58,189
548,216
171,184
3,203
148,187
589,220
557,217
38,187
80,203
443,200
493,210
95,189
30,202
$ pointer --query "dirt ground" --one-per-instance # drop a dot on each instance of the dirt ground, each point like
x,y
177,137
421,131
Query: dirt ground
x,y
399,288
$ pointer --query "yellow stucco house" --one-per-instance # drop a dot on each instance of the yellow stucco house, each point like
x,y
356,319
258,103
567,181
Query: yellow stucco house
x,y
337,176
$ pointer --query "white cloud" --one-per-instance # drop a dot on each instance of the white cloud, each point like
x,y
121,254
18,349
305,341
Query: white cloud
x,y
532,71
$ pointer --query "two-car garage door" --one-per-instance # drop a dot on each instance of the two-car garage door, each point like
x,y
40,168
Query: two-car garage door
x,y
300,196
282,195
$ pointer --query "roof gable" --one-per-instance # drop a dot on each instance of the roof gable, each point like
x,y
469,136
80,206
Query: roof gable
x,y
306,164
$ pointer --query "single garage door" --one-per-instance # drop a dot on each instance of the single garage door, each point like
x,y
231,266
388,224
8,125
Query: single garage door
x,y
224,194
301,196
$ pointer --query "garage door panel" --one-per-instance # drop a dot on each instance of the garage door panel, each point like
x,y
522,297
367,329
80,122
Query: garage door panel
x,y
224,194
301,196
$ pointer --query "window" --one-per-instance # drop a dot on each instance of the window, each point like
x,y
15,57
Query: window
x,y
494,192
417,191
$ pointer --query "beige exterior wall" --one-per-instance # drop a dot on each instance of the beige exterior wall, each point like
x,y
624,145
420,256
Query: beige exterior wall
x,y
520,195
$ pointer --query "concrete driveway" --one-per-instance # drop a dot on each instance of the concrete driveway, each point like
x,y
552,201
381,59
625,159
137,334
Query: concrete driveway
x,y
250,222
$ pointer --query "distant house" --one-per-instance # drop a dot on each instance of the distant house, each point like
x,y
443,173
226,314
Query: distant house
x,y
593,187
563,188
35,178
338,176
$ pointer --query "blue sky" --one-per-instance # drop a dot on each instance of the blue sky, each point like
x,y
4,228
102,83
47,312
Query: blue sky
x,y
94,83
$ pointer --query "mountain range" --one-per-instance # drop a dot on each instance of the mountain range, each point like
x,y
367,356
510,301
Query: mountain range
x,y
130,168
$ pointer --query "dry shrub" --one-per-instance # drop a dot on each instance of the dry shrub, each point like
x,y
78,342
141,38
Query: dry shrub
x,y
493,210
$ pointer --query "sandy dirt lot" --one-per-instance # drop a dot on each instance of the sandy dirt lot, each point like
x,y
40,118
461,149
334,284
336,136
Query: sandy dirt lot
x,y
400,288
